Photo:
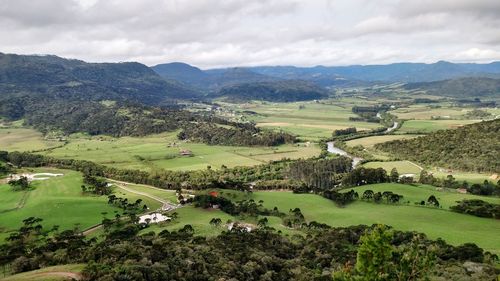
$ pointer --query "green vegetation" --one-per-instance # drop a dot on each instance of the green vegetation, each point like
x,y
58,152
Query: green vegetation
x,y
164,152
369,142
24,139
460,87
428,126
403,167
51,273
470,148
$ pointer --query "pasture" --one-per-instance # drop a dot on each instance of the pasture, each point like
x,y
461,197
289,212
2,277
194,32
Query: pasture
x,y
51,273
58,201
369,142
24,139
308,120
403,167
428,126
163,151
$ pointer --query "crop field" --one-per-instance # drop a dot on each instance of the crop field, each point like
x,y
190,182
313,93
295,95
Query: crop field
x,y
58,201
162,151
369,142
23,139
427,126
308,120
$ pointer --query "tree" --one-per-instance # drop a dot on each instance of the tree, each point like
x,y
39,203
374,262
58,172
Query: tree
x,y
215,222
394,176
432,200
368,194
262,222
373,262
20,184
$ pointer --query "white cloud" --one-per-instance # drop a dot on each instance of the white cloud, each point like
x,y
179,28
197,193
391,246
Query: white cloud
x,y
210,33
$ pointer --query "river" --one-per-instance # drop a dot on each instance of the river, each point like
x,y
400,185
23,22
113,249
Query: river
x,y
335,150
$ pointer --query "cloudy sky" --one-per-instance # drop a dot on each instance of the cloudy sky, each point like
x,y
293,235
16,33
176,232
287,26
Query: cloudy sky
x,y
212,33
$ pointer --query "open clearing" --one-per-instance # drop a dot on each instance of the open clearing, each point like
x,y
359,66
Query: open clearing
x,y
427,126
403,167
24,139
152,152
369,142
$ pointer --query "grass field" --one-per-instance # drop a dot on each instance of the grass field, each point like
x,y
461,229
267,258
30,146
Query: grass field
x,y
424,112
435,222
369,142
23,139
311,121
403,167
453,227
427,126
58,201
151,152
51,273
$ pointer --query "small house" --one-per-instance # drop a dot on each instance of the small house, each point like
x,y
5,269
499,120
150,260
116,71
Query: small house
x,y
185,152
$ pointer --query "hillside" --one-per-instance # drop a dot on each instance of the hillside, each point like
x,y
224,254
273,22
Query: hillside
x,y
396,72
473,147
55,77
278,91
470,87
208,80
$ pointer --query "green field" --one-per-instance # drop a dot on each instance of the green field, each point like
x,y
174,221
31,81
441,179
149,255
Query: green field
x,y
162,151
310,122
369,142
403,167
424,112
58,201
24,139
427,126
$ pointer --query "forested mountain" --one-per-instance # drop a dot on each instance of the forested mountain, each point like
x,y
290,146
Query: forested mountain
x,y
281,91
209,80
471,87
55,77
396,72
473,147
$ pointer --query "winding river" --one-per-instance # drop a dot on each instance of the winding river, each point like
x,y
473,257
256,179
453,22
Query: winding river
x,y
332,149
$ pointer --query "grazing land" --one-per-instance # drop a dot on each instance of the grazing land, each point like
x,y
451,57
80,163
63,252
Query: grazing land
x,y
428,126
51,273
307,120
24,139
163,151
369,142
403,167
58,201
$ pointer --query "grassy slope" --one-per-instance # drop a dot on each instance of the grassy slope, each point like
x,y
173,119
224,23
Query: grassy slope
x,y
369,142
453,227
433,125
23,139
403,167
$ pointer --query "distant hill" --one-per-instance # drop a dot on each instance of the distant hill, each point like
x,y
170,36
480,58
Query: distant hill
x,y
279,91
472,147
209,80
470,87
52,76
396,72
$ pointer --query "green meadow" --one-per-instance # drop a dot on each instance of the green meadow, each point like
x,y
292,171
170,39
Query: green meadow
x,y
427,126
24,139
308,120
163,151
403,167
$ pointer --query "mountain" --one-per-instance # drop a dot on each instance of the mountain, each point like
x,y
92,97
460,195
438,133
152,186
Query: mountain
x,y
278,91
52,76
209,80
470,87
396,72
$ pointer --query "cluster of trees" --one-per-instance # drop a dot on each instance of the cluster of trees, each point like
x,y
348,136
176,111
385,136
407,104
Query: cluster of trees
x,y
478,208
22,183
95,185
294,219
362,176
214,134
319,174
343,132
341,198
469,148
487,188
356,252
125,205
377,197
368,113
240,208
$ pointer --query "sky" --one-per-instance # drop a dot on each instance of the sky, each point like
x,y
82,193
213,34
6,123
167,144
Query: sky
x,y
216,33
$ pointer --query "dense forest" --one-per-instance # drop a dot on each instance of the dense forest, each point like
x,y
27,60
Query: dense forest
x,y
277,91
352,253
480,87
472,147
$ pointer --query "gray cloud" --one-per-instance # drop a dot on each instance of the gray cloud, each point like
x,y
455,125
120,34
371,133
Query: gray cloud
x,y
210,33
